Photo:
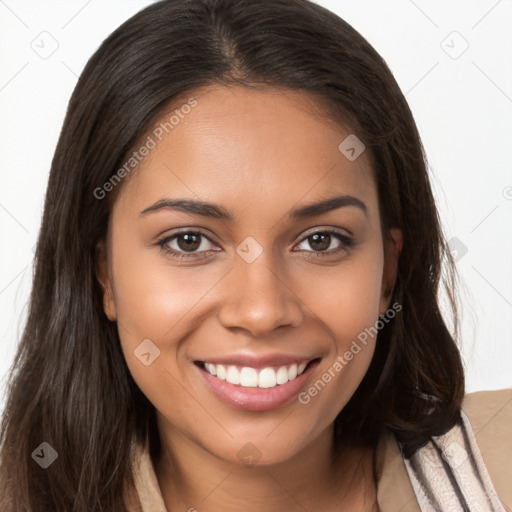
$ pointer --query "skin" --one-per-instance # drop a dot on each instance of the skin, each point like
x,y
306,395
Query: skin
x,y
258,154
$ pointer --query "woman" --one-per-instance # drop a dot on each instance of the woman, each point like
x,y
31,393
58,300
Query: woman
x,y
235,294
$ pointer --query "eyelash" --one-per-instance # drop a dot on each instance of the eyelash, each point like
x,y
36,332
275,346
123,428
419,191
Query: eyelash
x,y
346,243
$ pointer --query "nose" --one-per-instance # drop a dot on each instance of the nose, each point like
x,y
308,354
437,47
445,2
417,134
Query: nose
x,y
258,300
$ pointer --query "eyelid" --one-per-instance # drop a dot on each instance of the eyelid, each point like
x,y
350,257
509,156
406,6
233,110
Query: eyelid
x,y
326,229
164,240
186,231
345,239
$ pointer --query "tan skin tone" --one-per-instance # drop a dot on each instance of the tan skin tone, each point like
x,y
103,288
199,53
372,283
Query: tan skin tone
x,y
258,154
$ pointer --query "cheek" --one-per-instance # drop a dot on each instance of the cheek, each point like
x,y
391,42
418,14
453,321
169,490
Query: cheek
x,y
346,297
346,300
155,299
159,302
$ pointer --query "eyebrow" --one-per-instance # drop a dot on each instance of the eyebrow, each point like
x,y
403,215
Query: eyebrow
x,y
206,209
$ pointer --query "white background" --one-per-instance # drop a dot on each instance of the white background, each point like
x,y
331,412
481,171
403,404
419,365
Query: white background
x,y
462,103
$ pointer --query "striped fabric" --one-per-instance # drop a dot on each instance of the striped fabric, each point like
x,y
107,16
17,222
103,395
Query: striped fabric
x,y
448,474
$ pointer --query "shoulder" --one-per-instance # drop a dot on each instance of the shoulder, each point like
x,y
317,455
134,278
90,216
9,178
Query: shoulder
x,y
488,409
490,415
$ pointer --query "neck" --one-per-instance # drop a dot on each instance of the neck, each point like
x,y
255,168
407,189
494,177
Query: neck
x,y
192,478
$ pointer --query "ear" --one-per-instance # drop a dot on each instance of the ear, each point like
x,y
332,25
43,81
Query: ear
x,y
105,279
392,249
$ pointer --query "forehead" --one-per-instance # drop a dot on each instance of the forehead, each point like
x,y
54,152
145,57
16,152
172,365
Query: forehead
x,y
267,145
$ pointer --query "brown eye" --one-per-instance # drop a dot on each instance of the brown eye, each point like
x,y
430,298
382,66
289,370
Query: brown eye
x,y
328,242
319,241
188,241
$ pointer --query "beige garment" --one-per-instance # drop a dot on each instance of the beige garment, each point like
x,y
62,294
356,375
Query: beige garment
x,y
490,415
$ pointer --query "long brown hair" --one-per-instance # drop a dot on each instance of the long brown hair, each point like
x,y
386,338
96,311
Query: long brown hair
x,y
69,385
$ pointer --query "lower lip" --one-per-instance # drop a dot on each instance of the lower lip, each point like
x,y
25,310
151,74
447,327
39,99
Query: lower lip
x,y
253,398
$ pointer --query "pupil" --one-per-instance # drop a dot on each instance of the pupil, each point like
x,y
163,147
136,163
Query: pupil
x,y
320,241
191,242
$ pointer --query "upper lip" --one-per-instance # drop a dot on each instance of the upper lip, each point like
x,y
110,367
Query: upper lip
x,y
258,361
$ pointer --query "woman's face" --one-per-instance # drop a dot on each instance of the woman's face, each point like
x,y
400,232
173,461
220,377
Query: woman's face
x,y
260,285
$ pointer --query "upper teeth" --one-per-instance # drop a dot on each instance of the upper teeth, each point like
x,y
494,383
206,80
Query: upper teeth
x,y
250,377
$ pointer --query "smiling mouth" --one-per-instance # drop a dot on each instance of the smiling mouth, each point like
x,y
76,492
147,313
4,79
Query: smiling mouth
x,y
249,377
